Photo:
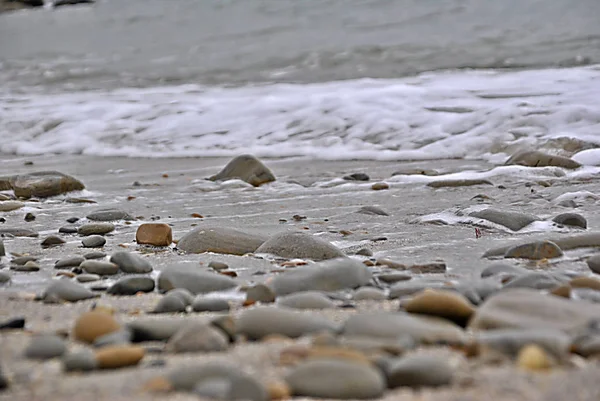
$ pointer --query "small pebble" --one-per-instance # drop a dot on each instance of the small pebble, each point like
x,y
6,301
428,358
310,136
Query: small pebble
x,y
94,241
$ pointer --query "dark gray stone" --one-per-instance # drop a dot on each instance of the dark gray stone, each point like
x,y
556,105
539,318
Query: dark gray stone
x,y
512,220
246,168
571,219
357,177
99,267
130,262
96,229
419,371
132,285
170,303
593,263
52,240
373,211
69,262
109,215
67,230
93,241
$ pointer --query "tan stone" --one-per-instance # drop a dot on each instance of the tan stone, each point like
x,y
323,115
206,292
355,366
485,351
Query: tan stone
x,y
443,303
378,186
94,324
562,291
535,251
278,390
157,234
585,282
119,356
157,385
534,358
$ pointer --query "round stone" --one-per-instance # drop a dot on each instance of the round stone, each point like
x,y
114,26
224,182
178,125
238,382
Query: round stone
x,y
94,241
94,324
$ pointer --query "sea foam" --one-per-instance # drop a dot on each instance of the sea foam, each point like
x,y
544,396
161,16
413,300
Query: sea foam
x,y
456,114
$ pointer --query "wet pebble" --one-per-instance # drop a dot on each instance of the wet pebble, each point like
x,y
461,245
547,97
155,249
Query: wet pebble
x,y
378,186
29,217
132,285
45,346
218,266
93,241
336,379
72,220
357,177
535,251
21,260
392,278
131,263
52,240
30,266
198,337
94,255
109,215
509,219
99,267
373,211
203,304
10,205
67,230
87,278
95,229
69,262
571,219
299,245
82,360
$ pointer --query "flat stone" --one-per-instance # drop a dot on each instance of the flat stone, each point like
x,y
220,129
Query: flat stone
x,y
514,221
109,215
373,211
51,241
571,219
193,278
87,278
299,245
539,159
96,229
241,385
246,168
118,356
534,251
203,304
528,309
45,346
332,275
423,329
260,293
21,260
419,371
99,267
442,303
585,282
198,337
218,266
10,205
94,255
336,379
357,177
379,186
306,300
72,220
41,184
369,294
220,240
593,263
170,303
156,234
82,360
93,324
67,230
66,290
18,232
406,288
130,262
30,266
392,278
509,342
535,280
73,261
131,286
566,243
263,321
458,183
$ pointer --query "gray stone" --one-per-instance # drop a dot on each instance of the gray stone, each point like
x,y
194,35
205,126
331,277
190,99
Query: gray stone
x,y
423,329
67,230
69,262
336,379
262,321
373,211
214,389
246,168
458,183
299,245
419,371
66,290
10,205
306,300
364,252
571,219
357,177
394,277
155,330
218,266
510,341
130,262
94,255
30,266
4,277
52,240
502,269
87,278
369,294
109,215
191,277
79,361
220,240
2,249
198,337
242,386
132,285
332,275
93,241
41,184
120,337
45,346
18,232
535,280
528,309
99,267
21,260
203,304
512,220
539,159
406,288
13,323
96,229
170,303
593,263
260,293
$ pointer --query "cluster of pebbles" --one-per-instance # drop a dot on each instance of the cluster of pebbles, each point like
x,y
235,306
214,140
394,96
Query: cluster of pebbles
x,y
338,326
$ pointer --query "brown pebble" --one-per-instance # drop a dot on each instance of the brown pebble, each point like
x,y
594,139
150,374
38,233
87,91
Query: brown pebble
x,y
229,273
534,358
130,198
369,263
562,291
443,303
119,356
197,216
66,274
157,234
378,186
157,385
345,232
94,324
585,282
165,175
278,390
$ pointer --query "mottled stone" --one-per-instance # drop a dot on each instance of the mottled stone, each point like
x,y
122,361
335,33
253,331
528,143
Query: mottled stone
x,y
535,251
246,168
571,219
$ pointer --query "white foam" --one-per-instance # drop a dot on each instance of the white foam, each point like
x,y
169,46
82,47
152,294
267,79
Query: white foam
x,y
465,114
589,157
